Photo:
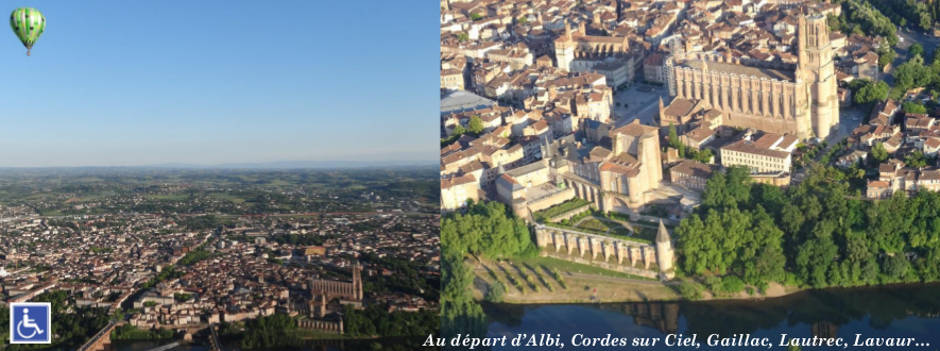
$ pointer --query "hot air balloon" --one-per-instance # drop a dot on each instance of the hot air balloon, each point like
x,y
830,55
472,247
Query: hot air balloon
x,y
28,24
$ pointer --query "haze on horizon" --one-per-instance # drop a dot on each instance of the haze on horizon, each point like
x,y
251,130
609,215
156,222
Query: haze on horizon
x,y
115,83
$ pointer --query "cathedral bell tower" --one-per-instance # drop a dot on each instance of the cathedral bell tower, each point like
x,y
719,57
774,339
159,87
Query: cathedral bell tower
x,y
816,67
357,281
564,49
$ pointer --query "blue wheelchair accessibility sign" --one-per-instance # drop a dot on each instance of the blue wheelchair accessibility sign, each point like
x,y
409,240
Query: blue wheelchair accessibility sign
x,y
30,323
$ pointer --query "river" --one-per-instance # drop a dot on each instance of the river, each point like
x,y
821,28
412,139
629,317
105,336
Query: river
x,y
888,311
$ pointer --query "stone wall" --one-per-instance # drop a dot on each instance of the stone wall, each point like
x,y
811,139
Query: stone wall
x,y
611,266
321,325
535,205
610,253
776,179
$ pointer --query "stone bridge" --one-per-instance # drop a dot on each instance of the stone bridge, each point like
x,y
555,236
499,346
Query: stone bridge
x,y
102,339
610,253
214,343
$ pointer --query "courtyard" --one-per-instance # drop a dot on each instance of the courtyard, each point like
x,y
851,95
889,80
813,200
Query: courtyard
x,y
639,101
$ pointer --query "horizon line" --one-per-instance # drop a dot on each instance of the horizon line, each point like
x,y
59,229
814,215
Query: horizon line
x,y
273,165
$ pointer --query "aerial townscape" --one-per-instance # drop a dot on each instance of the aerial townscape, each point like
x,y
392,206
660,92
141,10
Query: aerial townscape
x,y
227,259
637,150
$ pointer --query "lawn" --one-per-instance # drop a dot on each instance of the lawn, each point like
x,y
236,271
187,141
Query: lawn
x,y
561,208
594,224
591,284
599,226
562,266
645,232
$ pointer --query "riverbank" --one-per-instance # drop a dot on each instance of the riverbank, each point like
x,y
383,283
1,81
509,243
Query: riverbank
x,y
544,280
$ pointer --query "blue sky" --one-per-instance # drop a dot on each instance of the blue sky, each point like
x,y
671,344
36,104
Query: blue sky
x,y
117,83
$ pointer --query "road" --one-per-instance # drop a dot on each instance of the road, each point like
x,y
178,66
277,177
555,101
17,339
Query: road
x,y
929,42
908,38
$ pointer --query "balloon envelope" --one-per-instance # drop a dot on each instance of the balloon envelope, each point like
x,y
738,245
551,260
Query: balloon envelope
x,y
28,24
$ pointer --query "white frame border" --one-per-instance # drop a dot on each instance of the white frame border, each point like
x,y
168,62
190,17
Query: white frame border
x,y
48,319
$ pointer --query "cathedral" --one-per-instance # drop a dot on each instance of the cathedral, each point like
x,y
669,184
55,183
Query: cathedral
x,y
572,46
781,98
345,291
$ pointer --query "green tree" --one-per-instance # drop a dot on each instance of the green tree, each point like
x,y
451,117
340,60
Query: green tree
x,y
872,92
916,50
694,245
911,74
886,55
459,313
879,153
814,233
814,258
475,125
897,268
272,331
857,84
376,320
870,20
673,136
739,183
495,292
913,107
728,241
704,156
486,229
915,159
731,284
836,23
762,255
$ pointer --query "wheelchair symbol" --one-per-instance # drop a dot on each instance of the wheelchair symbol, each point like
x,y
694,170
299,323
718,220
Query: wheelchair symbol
x,y
28,323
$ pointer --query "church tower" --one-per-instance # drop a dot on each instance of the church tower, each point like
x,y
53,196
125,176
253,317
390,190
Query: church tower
x,y
817,68
357,281
564,49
